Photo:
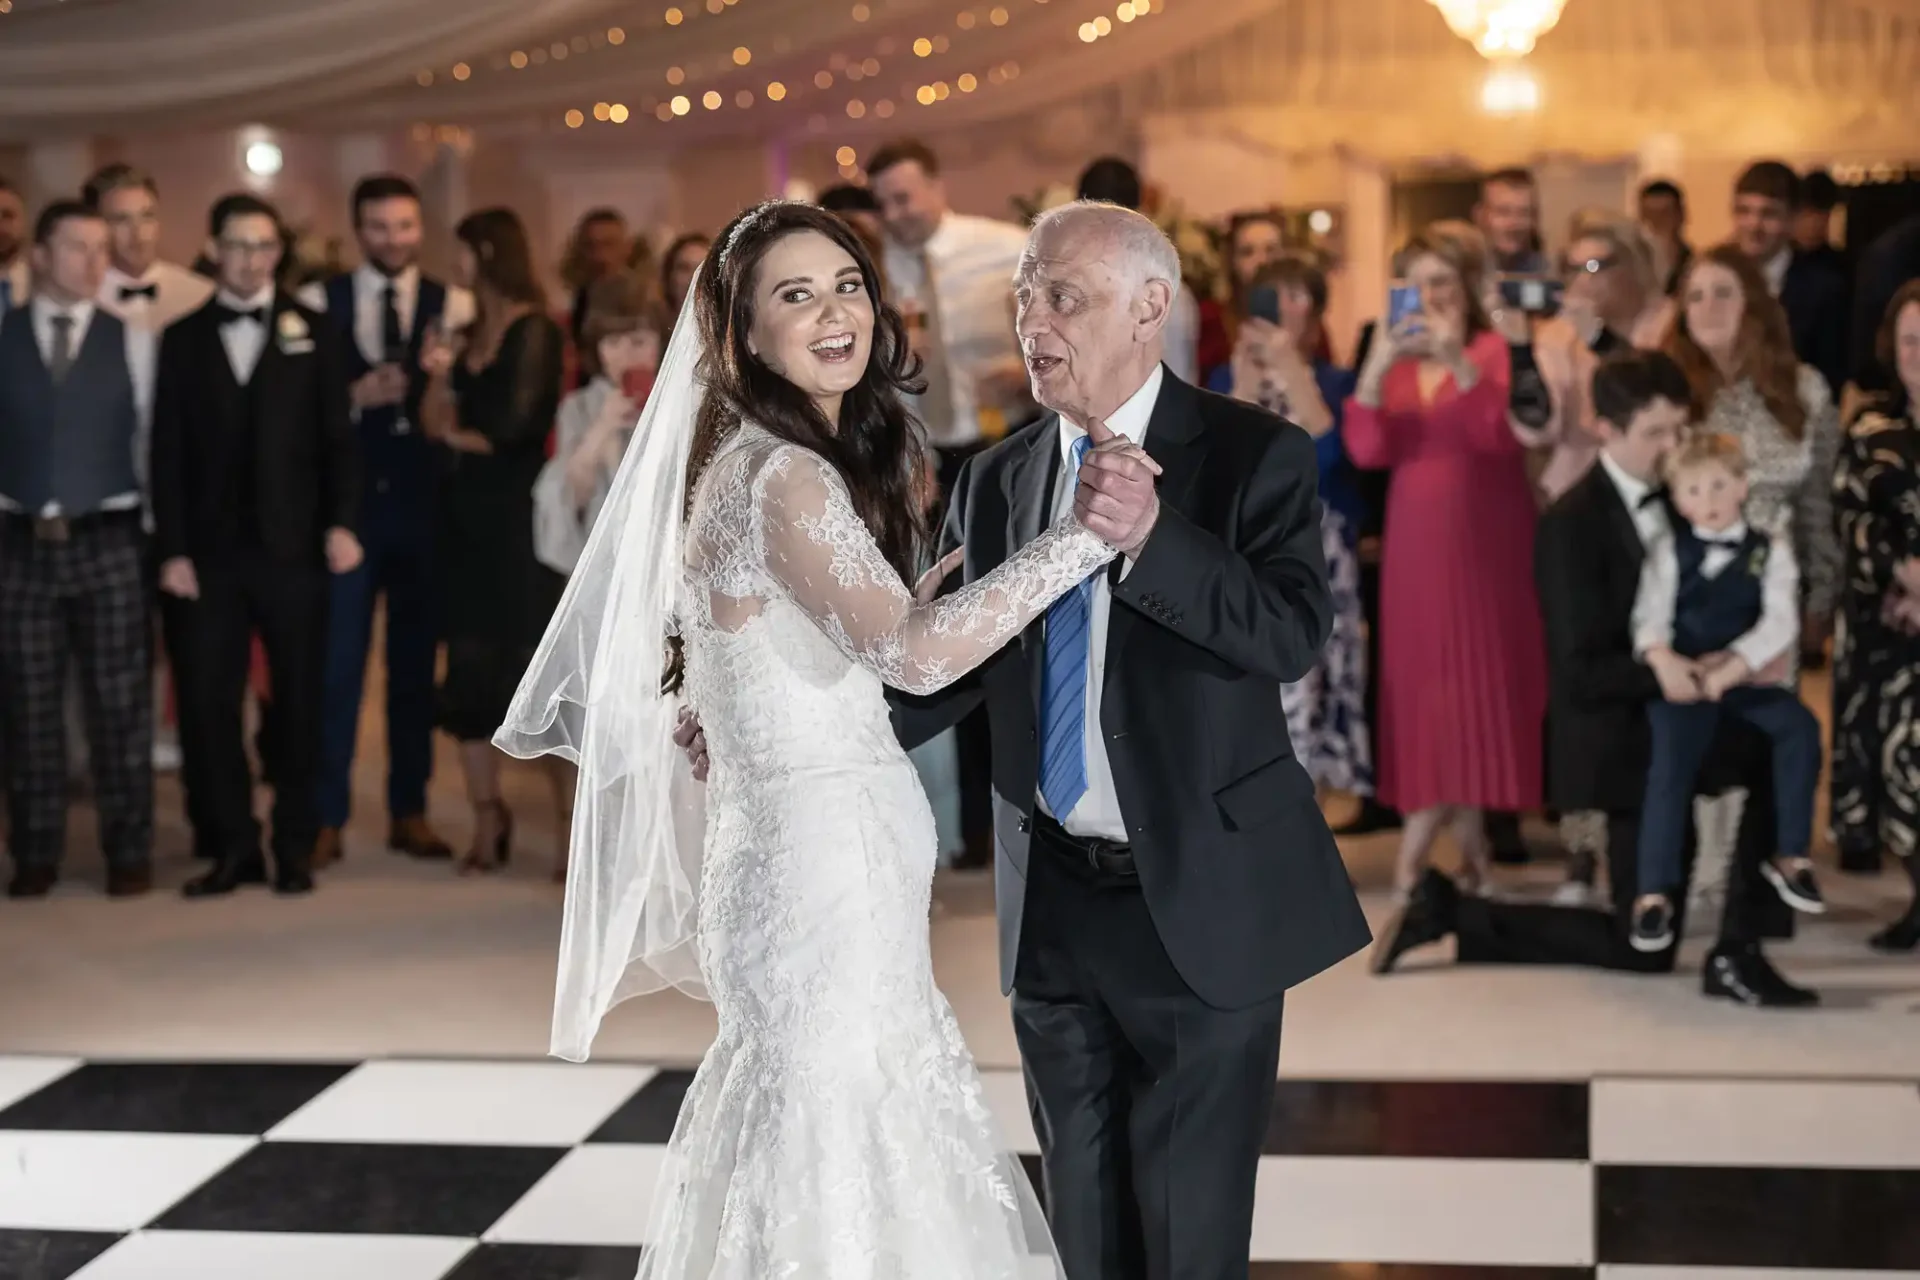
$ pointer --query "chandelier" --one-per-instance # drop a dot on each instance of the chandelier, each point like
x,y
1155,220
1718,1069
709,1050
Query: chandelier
x,y
1500,28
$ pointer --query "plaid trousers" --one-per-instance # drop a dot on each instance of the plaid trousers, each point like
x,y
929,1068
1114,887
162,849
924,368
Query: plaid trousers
x,y
86,597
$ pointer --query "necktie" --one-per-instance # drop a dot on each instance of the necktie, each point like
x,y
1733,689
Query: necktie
x,y
936,406
128,292
62,346
392,339
1063,685
233,315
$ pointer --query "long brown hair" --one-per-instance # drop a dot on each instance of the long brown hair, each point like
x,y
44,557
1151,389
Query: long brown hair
x,y
1762,350
877,447
503,259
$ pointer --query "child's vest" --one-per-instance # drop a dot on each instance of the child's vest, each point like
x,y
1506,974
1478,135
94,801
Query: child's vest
x,y
1709,614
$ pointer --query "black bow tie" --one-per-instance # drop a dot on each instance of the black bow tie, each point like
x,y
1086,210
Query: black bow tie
x,y
1729,541
128,292
1651,497
230,315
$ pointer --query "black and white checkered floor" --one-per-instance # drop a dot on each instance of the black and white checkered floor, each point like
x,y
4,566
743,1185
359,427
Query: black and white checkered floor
x,y
471,1170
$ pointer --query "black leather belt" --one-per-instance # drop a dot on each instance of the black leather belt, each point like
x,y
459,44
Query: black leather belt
x,y
63,528
1104,856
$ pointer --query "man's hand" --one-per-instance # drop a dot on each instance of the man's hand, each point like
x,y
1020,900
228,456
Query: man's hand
x,y
1116,498
1774,672
1679,677
1730,674
925,590
378,387
690,738
343,551
178,579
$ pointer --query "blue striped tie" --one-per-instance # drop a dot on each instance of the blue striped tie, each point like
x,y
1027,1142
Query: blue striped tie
x,y
1063,685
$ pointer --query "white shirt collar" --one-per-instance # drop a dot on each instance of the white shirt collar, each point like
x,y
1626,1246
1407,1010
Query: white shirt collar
x,y
262,300
116,278
1631,489
1732,533
374,280
1775,268
1129,420
45,307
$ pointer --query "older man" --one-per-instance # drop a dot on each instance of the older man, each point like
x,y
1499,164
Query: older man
x,y
1163,872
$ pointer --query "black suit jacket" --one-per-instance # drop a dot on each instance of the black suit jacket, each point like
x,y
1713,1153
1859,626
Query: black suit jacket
x,y
306,460
1586,568
1227,600
1819,315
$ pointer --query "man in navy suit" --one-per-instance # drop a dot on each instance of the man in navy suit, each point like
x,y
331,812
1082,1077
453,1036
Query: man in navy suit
x,y
383,309
1811,288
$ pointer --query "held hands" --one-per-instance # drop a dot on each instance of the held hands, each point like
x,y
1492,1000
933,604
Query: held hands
x,y
1116,500
343,551
1718,678
178,579
1679,677
691,739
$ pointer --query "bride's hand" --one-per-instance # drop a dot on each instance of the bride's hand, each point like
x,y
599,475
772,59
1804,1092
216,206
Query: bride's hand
x,y
690,738
925,590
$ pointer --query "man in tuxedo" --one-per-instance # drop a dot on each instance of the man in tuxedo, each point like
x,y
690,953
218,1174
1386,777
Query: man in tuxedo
x,y
73,577
382,312
1163,873
1589,549
1811,289
256,481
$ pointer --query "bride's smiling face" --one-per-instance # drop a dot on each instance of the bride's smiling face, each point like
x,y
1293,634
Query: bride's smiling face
x,y
812,317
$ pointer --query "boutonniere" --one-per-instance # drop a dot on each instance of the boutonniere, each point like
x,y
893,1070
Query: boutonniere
x,y
1757,563
295,337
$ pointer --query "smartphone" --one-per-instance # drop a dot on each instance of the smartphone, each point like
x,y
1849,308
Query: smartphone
x,y
1264,304
1403,300
1535,295
637,383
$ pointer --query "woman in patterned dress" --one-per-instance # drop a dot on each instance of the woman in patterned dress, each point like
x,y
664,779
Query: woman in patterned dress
x,y
1876,734
1277,367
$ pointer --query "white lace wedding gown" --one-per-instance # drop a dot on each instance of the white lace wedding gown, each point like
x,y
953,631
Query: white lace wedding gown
x,y
836,1129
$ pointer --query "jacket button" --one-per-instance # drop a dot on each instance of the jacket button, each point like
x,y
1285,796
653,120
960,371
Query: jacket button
x,y
1026,825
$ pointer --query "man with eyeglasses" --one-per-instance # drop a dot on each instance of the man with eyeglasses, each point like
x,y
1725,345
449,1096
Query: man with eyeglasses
x,y
256,494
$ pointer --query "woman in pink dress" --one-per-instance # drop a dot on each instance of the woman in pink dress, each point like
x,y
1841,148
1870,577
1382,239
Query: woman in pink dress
x,y
1463,688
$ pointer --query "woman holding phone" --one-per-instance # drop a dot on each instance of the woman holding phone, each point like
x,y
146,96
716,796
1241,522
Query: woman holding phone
x,y
1276,366
1463,685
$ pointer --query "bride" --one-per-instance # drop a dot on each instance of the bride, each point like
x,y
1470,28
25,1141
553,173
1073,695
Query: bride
x,y
759,531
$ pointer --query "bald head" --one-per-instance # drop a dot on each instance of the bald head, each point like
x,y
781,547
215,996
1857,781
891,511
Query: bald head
x,y
1094,290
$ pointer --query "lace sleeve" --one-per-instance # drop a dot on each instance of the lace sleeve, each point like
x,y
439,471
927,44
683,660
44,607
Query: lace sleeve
x,y
821,555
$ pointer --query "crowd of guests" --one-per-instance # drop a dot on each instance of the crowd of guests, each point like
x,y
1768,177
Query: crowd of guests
x,y
1587,515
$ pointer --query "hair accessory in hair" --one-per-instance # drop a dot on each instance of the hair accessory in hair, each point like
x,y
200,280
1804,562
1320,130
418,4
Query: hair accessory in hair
x,y
747,219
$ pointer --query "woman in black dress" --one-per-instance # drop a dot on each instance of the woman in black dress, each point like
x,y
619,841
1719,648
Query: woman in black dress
x,y
1876,740
491,407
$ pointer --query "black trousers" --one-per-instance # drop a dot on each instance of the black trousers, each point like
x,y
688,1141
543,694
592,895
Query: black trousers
x,y
1540,933
84,599
210,641
973,742
1150,1105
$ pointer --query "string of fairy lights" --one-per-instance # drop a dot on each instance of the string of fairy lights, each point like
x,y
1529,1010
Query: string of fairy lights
x,y
845,72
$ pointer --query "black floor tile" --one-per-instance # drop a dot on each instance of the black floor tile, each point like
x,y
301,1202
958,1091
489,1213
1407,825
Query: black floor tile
x,y
354,1188
648,1116
1408,1271
1460,1120
546,1262
167,1097
49,1255
1839,1219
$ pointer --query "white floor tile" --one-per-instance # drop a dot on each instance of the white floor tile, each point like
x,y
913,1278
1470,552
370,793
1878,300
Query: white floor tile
x,y
1007,1097
1460,1212
601,1194
536,1104
21,1076
1615,1271
1767,1123
103,1181
237,1255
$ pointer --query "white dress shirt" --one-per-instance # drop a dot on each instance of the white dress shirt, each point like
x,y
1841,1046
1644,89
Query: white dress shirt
x,y
370,307
140,368
1097,815
1767,639
973,262
176,292
245,340
1649,518
1775,270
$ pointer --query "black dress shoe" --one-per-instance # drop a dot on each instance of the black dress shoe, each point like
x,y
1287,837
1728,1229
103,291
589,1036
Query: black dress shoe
x,y
1901,936
1744,975
227,875
1860,862
33,882
129,882
1373,816
1429,916
1503,835
291,877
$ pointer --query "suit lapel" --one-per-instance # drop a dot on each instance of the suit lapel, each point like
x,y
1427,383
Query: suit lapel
x,y
1173,440
1031,483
